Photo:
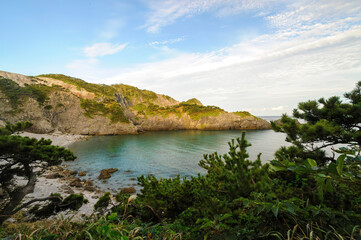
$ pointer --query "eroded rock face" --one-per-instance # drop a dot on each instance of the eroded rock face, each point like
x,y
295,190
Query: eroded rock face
x,y
63,112
66,117
224,121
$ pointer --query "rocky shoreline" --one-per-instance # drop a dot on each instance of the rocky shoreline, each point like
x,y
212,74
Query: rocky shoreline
x,y
60,179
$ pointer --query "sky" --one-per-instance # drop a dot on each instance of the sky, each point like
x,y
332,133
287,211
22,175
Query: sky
x,y
261,56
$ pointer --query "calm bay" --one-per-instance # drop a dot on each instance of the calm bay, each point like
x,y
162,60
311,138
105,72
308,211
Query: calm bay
x,y
163,154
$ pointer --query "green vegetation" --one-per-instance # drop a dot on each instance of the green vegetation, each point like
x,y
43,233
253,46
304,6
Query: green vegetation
x,y
133,93
112,110
98,89
196,112
19,156
193,101
153,110
302,194
17,94
243,114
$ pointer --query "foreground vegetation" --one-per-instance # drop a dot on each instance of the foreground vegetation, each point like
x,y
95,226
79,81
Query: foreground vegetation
x,y
303,193
17,95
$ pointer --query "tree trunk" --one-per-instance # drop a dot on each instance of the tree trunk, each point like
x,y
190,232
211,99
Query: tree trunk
x,y
18,195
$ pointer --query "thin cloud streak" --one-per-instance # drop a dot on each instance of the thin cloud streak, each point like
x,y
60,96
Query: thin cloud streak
x,y
102,49
167,12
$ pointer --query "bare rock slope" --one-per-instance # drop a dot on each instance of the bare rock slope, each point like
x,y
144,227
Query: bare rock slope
x,y
55,102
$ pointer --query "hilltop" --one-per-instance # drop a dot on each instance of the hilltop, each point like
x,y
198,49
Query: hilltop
x,y
55,102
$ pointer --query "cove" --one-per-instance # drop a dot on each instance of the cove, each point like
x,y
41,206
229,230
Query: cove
x,y
163,154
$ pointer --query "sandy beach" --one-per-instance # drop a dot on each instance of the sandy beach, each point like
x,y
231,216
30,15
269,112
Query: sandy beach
x,y
57,138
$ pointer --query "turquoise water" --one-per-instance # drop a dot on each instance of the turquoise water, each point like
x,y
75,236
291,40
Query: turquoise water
x,y
163,154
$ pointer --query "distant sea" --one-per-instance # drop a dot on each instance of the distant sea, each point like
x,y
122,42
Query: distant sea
x,y
270,118
164,154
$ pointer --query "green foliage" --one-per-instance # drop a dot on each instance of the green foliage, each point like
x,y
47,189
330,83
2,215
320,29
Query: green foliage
x,y
17,94
243,114
153,110
133,93
193,101
30,149
111,110
19,155
74,201
328,122
103,202
207,204
13,128
302,194
98,89
196,112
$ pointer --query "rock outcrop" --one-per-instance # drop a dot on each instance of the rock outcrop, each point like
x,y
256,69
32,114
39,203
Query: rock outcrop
x,y
57,103
105,173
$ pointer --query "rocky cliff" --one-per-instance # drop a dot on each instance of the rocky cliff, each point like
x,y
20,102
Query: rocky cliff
x,y
55,102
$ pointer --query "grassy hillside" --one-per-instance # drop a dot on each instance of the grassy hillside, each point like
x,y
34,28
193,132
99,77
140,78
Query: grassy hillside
x,y
17,94
98,89
196,112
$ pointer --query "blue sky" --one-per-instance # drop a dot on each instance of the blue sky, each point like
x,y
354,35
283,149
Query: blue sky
x,y
263,56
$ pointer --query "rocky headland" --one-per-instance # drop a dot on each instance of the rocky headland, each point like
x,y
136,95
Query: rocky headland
x,y
56,103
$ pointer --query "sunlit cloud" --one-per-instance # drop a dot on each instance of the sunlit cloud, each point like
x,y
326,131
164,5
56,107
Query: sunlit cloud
x,y
316,53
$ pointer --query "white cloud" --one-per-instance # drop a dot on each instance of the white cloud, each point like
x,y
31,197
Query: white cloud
x,y
317,53
164,42
164,13
102,49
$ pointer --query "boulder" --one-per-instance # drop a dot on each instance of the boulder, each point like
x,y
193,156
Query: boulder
x,y
112,170
73,172
88,183
66,173
128,190
81,174
89,188
105,173
69,191
76,183
53,175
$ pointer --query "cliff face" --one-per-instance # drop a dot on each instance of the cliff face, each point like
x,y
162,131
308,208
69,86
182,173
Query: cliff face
x,y
70,105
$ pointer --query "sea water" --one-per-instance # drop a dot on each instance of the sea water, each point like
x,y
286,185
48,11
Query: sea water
x,y
163,154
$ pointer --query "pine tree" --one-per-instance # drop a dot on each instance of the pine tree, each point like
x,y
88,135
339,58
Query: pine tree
x,y
19,156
